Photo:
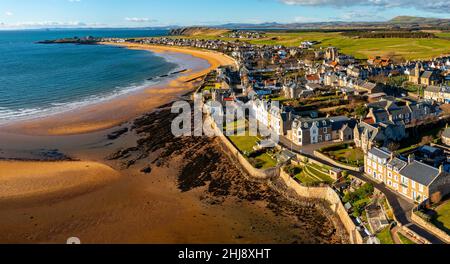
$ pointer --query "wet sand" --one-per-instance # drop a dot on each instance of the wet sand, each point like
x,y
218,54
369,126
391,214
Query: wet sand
x,y
170,190
145,186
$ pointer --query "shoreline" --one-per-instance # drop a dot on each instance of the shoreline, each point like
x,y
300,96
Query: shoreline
x,y
121,109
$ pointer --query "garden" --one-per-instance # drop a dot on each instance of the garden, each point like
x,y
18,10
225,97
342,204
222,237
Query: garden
x,y
246,143
346,154
310,174
359,198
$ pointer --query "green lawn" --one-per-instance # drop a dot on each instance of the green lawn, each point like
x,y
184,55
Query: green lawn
x,y
443,217
306,179
244,143
318,173
269,162
405,240
385,237
353,156
345,154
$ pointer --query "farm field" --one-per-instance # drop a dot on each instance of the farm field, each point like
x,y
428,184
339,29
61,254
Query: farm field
x,y
361,48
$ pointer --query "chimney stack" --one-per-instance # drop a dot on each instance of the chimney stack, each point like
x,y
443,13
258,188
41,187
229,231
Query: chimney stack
x,y
411,158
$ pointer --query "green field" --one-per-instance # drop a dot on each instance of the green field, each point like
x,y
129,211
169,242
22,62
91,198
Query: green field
x,y
361,48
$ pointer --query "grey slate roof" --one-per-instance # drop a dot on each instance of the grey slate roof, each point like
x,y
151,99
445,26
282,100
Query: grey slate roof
x,y
433,89
379,153
420,173
427,74
398,163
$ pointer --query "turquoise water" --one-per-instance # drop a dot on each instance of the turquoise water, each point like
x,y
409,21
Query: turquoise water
x,y
37,79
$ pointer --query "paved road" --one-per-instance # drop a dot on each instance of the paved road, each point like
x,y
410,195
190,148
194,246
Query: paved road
x,y
401,206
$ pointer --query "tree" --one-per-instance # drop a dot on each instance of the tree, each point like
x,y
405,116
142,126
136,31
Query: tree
x,y
361,111
426,140
393,146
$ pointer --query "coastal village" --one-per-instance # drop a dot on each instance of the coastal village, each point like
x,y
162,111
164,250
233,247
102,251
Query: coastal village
x,y
373,131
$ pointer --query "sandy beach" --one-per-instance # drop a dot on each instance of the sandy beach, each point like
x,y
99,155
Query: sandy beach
x,y
68,178
114,112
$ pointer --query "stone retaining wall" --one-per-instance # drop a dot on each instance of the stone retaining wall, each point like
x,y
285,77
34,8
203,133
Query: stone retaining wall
x,y
320,193
252,171
431,228
328,194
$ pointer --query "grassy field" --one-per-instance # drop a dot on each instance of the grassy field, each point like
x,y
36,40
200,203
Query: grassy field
x,y
361,48
443,219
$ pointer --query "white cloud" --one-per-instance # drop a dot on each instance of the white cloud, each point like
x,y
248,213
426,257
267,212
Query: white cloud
x,y
437,6
74,1
9,13
139,19
47,24
302,19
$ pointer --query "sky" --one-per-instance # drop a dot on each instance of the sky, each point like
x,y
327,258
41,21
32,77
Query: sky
x,y
146,13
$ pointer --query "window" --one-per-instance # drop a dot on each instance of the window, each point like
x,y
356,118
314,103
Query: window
x,y
405,191
390,175
396,178
390,183
420,187
325,130
396,186
413,184
405,181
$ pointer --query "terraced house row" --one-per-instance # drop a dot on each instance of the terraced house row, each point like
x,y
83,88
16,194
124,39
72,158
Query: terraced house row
x,y
412,179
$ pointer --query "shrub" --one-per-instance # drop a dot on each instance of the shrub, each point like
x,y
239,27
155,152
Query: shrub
x,y
292,170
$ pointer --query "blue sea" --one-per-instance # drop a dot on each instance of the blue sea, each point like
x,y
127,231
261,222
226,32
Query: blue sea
x,y
37,79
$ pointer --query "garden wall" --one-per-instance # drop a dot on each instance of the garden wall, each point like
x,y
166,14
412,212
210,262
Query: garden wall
x,y
431,228
328,194
252,171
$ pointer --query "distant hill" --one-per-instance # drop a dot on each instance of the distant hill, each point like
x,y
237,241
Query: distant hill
x,y
196,31
417,20
406,22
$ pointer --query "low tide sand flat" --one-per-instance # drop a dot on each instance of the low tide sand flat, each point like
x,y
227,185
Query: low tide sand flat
x,y
34,179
